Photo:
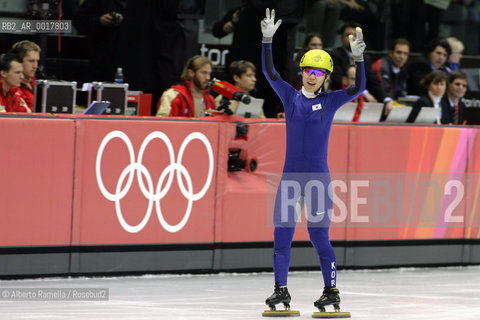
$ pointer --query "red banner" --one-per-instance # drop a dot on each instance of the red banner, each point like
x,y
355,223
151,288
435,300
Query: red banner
x,y
165,181
36,181
145,182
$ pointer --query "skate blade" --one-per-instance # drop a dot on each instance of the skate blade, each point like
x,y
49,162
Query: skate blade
x,y
331,315
281,313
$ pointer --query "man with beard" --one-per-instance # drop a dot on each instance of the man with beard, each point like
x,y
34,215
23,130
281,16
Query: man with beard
x,y
190,98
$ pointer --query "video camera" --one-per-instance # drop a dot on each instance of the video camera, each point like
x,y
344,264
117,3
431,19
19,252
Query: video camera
x,y
229,92
237,161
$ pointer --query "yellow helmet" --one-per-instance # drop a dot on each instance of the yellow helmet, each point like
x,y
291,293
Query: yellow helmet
x,y
318,59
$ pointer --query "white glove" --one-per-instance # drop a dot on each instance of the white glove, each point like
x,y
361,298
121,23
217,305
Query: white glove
x,y
268,26
357,46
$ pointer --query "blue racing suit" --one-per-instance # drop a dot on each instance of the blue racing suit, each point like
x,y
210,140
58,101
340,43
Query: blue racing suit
x,y
305,174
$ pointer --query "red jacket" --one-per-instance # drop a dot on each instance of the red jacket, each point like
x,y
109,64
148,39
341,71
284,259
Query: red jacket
x,y
177,101
27,93
13,102
359,107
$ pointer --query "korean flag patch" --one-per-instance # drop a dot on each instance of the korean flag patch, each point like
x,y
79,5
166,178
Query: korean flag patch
x,y
316,107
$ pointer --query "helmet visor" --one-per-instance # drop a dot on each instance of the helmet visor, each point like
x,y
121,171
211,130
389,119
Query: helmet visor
x,y
316,72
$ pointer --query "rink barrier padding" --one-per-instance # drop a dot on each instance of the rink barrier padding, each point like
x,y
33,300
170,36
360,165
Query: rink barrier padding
x,y
36,180
120,259
57,218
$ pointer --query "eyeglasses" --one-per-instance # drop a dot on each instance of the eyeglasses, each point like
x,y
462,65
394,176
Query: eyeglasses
x,y
310,71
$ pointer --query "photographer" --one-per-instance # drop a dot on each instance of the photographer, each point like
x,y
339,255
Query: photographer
x,y
227,24
100,21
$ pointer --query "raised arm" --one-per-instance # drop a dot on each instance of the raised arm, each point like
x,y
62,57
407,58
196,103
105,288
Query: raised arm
x,y
358,47
282,88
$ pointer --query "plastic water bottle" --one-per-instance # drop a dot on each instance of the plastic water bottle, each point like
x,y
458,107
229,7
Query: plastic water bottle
x,y
119,75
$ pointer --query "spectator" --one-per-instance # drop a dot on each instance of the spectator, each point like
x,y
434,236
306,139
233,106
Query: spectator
x,y
391,69
371,15
227,24
323,16
242,75
189,99
434,58
434,86
165,35
246,32
342,58
453,108
11,76
348,80
100,21
313,40
457,50
418,21
29,54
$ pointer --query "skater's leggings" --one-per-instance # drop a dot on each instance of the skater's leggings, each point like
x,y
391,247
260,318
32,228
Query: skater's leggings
x,y
318,205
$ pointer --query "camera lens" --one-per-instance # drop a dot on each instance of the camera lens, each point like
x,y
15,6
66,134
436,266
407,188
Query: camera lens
x,y
117,18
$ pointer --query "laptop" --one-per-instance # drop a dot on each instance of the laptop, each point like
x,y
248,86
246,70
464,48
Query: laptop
x,y
408,100
97,107
250,110
399,114
428,115
371,112
346,112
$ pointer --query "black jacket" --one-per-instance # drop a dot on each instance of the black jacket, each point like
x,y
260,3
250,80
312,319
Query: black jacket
x,y
394,84
341,61
417,69
449,111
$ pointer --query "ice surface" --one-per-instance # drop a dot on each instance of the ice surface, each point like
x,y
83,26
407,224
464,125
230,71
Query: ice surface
x,y
417,293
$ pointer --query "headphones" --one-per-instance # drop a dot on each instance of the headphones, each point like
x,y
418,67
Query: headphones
x,y
237,65
2,62
192,61
6,60
15,47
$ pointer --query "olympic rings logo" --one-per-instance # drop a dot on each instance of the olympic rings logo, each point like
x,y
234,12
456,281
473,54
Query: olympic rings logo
x,y
154,197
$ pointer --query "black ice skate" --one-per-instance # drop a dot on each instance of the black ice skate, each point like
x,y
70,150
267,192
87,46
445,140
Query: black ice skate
x,y
330,296
280,295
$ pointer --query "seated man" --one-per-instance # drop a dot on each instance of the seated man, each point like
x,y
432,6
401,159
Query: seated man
x,y
434,58
242,75
11,76
391,69
189,99
29,54
453,108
